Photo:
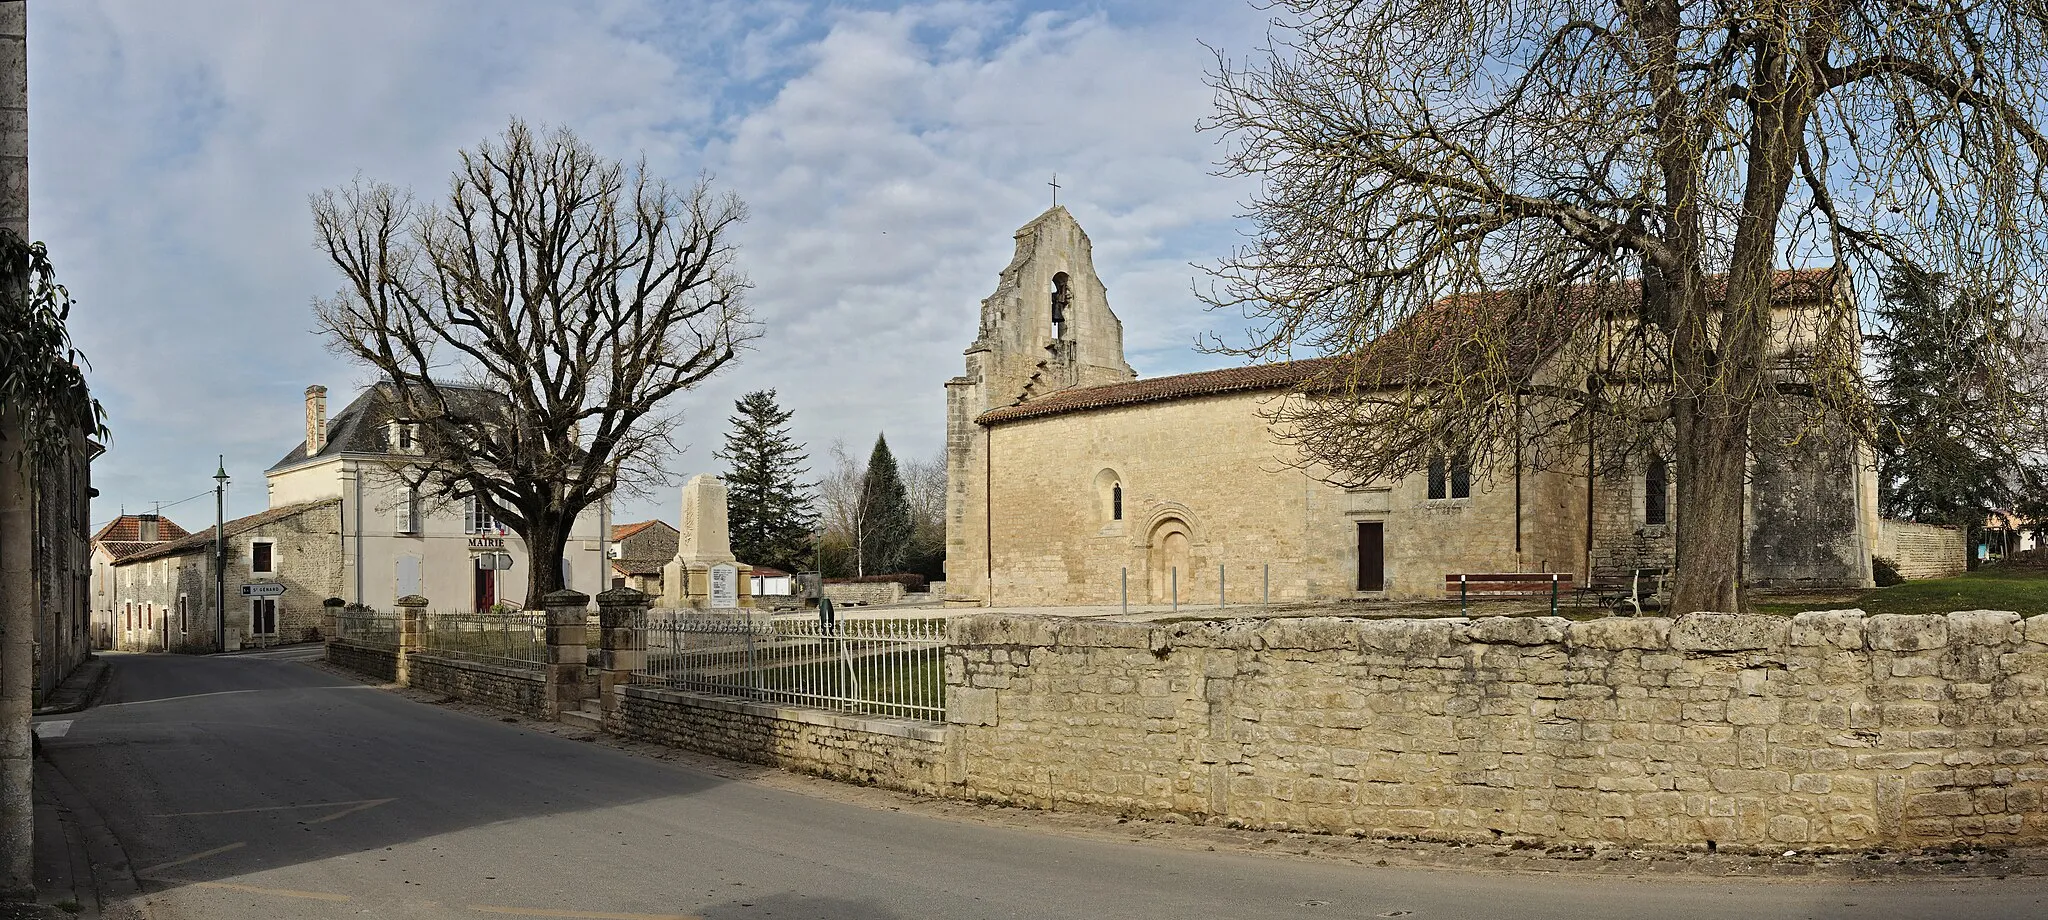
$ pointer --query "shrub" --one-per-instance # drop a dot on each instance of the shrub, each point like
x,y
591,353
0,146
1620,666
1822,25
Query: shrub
x,y
911,581
1885,572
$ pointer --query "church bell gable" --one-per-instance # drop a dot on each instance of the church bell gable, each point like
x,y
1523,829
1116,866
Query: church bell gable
x,y
1048,325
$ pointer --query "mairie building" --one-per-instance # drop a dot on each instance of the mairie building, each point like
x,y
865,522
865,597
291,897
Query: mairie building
x,y
1073,481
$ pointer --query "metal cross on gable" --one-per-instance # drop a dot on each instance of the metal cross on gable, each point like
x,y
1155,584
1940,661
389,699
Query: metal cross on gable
x,y
1055,183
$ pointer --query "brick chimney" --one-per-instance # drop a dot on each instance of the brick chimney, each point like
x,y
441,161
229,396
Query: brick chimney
x,y
316,419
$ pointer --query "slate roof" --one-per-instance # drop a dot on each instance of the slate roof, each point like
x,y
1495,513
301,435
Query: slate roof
x,y
364,426
128,529
236,527
1422,344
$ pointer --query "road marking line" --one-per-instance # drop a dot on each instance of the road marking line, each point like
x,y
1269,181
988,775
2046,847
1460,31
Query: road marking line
x,y
196,696
280,892
216,851
576,914
56,728
352,809
359,804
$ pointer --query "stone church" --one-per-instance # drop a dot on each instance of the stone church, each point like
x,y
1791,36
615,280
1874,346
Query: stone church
x,y
1070,478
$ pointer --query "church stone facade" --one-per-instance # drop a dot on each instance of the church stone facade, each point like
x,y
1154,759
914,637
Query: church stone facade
x,y
1073,482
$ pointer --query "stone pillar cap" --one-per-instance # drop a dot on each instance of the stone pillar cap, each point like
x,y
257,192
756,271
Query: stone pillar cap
x,y
622,596
411,600
565,598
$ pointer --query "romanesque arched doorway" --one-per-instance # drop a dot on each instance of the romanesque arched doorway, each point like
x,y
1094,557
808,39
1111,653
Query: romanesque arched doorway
x,y
1167,555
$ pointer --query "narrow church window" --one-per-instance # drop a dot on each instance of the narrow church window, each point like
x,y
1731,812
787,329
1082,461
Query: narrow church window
x,y
1436,477
1061,298
1461,477
1116,502
1656,482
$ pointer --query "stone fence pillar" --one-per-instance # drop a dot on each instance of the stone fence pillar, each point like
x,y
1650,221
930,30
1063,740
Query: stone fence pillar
x,y
568,650
622,645
330,618
412,634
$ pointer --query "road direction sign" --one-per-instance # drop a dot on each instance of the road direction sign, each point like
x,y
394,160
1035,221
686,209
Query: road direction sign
x,y
263,589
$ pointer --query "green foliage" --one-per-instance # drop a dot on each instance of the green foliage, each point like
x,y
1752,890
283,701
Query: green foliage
x,y
1948,402
888,531
1885,572
41,373
769,508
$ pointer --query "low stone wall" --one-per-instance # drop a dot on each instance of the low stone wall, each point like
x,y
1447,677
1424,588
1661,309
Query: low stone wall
x,y
895,753
881,592
1760,732
368,660
504,686
1921,550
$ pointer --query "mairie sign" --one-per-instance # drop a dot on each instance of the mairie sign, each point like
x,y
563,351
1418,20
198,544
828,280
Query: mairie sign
x,y
263,589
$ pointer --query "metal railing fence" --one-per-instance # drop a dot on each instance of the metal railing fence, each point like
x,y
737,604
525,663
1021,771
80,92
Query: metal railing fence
x,y
517,637
886,667
368,627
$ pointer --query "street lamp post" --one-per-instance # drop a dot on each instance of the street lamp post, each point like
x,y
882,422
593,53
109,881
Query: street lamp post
x,y
220,557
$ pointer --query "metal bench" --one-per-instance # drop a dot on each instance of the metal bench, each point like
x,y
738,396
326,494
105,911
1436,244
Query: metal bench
x,y
1631,589
1468,586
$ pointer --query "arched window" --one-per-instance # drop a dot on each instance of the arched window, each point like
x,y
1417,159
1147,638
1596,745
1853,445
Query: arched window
x,y
1109,495
1656,485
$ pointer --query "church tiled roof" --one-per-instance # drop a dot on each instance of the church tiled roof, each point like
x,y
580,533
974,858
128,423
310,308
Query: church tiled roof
x,y
1423,344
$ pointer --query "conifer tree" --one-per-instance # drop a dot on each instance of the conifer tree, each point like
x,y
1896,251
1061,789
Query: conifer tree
x,y
1947,401
888,527
769,508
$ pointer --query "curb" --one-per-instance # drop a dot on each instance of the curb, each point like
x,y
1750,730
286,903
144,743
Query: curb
x,y
109,877
91,695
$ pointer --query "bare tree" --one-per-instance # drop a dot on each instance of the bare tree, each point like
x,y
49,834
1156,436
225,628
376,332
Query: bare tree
x,y
533,324
842,504
1639,170
925,481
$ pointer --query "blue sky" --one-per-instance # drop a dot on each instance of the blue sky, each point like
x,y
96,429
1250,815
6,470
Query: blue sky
x,y
887,152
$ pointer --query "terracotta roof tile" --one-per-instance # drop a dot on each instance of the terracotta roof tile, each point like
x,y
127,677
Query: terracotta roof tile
x,y
1416,346
622,531
236,527
128,529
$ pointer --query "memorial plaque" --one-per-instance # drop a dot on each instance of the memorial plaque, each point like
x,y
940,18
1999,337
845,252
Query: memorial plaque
x,y
725,587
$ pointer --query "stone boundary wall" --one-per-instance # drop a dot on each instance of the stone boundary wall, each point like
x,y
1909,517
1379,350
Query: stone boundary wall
x,y
896,753
1921,550
1759,732
369,660
879,592
504,686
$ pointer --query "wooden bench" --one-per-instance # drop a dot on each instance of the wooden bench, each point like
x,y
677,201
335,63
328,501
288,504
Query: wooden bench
x,y
1471,586
1631,589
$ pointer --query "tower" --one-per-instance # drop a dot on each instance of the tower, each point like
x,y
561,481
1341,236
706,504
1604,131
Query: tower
x,y
1047,327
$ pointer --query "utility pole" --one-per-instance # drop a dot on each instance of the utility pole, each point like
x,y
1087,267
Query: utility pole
x,y
220,557
20,607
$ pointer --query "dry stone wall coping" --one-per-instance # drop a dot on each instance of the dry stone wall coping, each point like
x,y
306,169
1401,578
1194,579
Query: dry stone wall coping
x,y
873,725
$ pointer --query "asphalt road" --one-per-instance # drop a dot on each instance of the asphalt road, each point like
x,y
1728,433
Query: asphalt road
x,y
260,787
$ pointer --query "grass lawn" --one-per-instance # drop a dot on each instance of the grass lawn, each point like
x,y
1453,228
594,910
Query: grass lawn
x,y
2022,590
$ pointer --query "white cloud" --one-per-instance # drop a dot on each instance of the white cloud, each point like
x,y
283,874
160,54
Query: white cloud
x,y
887,156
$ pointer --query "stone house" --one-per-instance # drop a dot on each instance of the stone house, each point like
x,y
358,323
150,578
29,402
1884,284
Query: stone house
x,y
1071,481
122,538
638,552
394,541
166,597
